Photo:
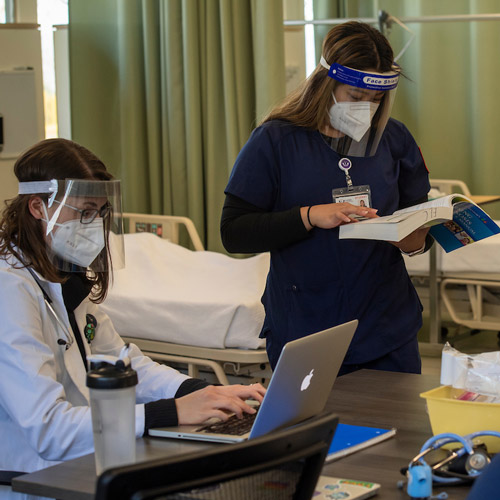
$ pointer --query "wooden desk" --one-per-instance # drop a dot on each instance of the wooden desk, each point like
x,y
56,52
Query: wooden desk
x,y
484,199
385,399
368,397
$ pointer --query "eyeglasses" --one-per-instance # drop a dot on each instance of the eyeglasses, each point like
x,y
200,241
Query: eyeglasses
x,y
88,215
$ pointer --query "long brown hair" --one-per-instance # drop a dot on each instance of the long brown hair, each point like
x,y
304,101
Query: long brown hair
x,y
353,44
21,234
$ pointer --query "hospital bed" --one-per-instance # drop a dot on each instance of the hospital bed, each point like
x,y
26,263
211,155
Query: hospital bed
x,y
468,283
189,306
461,288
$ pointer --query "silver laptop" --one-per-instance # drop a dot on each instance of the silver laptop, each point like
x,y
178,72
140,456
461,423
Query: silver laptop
x,y
299,388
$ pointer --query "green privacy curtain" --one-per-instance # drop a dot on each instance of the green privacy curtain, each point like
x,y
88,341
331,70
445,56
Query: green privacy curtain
x,y
166,92
449,101
449,98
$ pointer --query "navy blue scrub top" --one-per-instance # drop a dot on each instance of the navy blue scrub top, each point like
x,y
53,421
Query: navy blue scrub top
x,y
322,281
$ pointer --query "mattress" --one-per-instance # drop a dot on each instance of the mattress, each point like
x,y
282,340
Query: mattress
x,y
172,294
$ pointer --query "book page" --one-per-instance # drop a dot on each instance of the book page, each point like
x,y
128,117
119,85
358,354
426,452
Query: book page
x,y
394,218
398,225
404,213
443,201
430,212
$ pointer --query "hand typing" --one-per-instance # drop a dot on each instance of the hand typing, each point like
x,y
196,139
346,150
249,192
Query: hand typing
x,y
217,401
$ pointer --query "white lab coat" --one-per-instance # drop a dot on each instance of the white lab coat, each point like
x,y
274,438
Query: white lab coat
x,y
44,402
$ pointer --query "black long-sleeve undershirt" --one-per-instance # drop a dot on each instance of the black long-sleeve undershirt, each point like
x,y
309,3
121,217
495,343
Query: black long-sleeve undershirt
x,y
246,228
163,413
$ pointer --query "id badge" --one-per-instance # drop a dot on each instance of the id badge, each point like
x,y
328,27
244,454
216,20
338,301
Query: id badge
x,y
355,195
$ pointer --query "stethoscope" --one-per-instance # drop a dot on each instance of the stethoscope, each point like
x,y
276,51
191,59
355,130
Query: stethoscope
x,y
475,461
421,475
68,341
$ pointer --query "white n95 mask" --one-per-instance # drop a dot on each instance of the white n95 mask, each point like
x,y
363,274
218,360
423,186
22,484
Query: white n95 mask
x,y
78,243
352,118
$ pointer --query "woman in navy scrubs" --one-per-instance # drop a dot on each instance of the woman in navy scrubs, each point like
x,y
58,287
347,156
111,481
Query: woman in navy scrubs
x,y
330,153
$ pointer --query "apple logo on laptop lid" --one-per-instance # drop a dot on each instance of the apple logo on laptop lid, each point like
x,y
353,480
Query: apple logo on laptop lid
x,y
307,380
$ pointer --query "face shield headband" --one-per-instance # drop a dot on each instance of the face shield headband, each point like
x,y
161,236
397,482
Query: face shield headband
x,y
363,139
83,223
362,79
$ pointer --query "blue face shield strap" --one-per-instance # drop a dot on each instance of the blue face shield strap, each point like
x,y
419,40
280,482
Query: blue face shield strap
x,y
362,79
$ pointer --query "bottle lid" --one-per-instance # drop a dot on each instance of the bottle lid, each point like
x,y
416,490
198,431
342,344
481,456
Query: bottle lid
x,y
107,376
111,372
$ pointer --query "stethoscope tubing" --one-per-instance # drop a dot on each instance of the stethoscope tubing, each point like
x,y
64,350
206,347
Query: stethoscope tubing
x,y
48,302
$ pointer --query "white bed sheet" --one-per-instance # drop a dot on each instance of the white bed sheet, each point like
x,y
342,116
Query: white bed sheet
x,y
169,293
482,257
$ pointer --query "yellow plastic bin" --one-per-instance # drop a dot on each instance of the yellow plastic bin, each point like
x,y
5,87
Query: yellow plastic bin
x,y
448,414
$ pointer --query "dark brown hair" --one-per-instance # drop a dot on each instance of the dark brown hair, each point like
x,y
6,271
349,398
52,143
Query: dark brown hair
x,y
353,44
21,234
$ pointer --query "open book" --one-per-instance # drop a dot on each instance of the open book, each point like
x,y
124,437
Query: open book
x,y
455,219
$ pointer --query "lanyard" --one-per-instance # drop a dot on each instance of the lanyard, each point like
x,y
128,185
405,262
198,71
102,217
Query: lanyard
x,y
345,164
356,195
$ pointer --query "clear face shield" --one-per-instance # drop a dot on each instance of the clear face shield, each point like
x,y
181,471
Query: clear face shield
x,y
83,223
361,117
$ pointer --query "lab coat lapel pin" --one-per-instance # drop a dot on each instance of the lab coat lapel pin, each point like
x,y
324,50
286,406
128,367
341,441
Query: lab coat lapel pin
x,y
90,327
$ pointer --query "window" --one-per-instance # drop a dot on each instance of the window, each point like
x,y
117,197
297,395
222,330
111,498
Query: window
x,y
309,37
300,57
50,13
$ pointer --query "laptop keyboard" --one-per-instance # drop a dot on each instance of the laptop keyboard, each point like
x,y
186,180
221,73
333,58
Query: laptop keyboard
x,y
233,426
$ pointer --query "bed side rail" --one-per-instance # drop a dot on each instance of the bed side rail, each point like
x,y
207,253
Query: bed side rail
x,y
449,186
165,226
481,307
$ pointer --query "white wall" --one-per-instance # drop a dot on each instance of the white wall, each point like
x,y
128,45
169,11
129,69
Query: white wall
x,y
25,11
20,46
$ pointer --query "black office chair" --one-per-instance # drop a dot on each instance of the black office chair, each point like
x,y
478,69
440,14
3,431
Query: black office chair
x,y
283,464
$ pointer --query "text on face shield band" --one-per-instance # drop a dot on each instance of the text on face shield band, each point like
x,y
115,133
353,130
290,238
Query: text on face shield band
x,y
361,79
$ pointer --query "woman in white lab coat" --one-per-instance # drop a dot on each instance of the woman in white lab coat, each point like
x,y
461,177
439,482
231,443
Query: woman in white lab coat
x,y
54,263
